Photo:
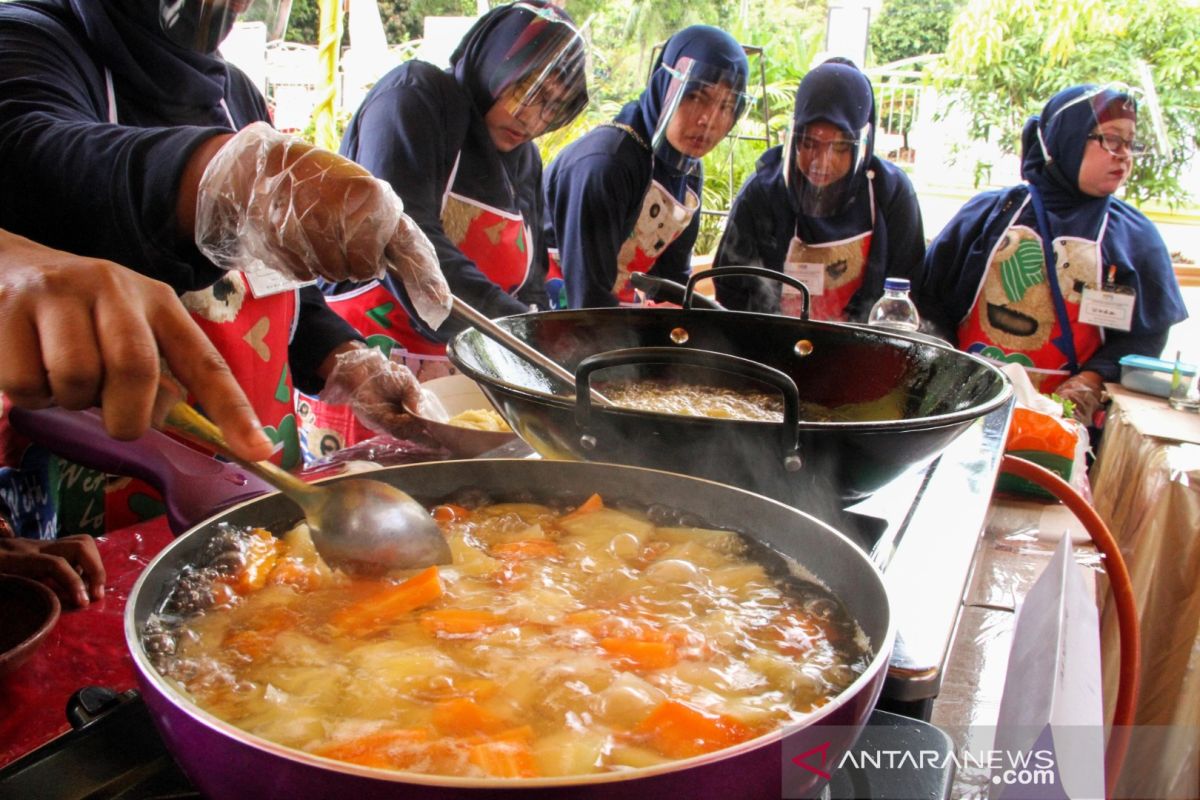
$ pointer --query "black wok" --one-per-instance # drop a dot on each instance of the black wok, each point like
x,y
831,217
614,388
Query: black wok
x,y
224,761
933,391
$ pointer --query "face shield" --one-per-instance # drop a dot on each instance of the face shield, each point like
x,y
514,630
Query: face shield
x,y
822,163
702,105
1090,113
542,79
201,25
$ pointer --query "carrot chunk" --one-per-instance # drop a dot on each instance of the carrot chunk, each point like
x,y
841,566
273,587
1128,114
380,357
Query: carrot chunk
x,y
526,548
637,654
459,621
260,556
448,512
593,503
462,716
679,731
378,609
394,749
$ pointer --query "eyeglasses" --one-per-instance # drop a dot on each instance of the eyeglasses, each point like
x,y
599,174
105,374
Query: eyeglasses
x,y
1114,144
839,146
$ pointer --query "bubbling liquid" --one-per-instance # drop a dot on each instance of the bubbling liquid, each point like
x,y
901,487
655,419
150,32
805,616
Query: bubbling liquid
x,y
560,641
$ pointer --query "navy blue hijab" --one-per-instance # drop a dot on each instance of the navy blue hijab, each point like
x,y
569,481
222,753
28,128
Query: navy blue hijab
x,y
187,85
703,43
840,95
494,52
1050,162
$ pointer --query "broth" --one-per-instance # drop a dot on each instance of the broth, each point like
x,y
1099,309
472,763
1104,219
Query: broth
x,y
558,642
668,396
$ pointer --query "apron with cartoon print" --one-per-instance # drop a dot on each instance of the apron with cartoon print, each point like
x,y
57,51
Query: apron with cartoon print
x,y
499,244
661,221
1023,315
252,332
832,271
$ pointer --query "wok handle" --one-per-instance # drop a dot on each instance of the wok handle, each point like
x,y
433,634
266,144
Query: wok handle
x,y
722,362
194,485
665,291
759,272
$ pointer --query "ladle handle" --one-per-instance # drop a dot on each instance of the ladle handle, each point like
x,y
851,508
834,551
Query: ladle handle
x,y
190,423
530,354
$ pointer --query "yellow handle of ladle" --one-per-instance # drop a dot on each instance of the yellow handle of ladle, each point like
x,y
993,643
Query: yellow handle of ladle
x,y
193,425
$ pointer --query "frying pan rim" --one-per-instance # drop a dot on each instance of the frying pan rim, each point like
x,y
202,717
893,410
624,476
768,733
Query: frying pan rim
x,y
148,675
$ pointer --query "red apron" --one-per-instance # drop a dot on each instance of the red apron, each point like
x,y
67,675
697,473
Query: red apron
x,y
832,271
1013,317
661,221
252,334
499,244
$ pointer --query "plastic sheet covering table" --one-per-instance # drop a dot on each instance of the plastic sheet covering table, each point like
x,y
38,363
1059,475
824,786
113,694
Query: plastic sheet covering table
x,y
1146,487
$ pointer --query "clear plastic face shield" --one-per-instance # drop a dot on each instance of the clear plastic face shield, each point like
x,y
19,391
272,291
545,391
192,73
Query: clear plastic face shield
x,y
1112,116
821,162
201,25
702,105
543,80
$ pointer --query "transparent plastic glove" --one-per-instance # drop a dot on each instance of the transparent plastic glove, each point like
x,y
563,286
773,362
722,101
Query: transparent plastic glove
x,y
1086,391
376,389
270,201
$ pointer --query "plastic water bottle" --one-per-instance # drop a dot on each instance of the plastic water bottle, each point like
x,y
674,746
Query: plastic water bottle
x,y
895,309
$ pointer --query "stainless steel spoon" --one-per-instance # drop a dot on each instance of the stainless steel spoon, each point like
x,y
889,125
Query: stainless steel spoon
x,y
356,519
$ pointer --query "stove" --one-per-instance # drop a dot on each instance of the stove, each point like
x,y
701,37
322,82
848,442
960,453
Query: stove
x,y
114,753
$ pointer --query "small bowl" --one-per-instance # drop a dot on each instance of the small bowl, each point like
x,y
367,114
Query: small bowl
x,y
28,612
458,393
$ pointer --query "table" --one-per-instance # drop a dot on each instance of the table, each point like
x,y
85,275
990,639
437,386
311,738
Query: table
x,y
1146,484
86,647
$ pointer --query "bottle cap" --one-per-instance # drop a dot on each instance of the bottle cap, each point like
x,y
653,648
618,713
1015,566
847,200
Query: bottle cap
x,y
897,284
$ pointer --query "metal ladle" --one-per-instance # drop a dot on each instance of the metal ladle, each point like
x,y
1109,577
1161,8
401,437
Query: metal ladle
x,y
355,519
531,354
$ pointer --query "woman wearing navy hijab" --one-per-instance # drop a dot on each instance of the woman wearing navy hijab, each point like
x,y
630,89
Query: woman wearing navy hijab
x,y
457,146
625,197
125,136
823,208
1017,274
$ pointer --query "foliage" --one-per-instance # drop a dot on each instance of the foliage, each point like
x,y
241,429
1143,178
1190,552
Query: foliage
x,y
403,20
907,28
1006,59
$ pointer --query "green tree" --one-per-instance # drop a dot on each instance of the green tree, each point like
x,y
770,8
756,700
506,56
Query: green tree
x,y
403,20
1005,59
907,28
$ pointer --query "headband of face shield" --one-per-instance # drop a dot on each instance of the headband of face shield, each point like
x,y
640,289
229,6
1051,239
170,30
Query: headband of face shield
x,y
822,171
542,79
702,105
201,25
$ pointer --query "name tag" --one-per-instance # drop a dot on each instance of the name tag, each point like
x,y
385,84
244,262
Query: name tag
x,y
265,283
811,275
1108,307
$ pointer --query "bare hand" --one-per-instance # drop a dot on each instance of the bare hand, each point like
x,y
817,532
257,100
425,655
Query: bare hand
x,y
71,565
79,332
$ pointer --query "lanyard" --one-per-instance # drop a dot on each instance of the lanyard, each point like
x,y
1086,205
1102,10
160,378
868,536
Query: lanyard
x,y
1066,341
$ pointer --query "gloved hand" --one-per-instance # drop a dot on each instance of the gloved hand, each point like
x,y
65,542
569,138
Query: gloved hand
x,y
271,201
1086,391
376,388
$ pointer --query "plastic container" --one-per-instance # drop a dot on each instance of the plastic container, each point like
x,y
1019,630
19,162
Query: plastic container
x,y
895,309
1151,375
